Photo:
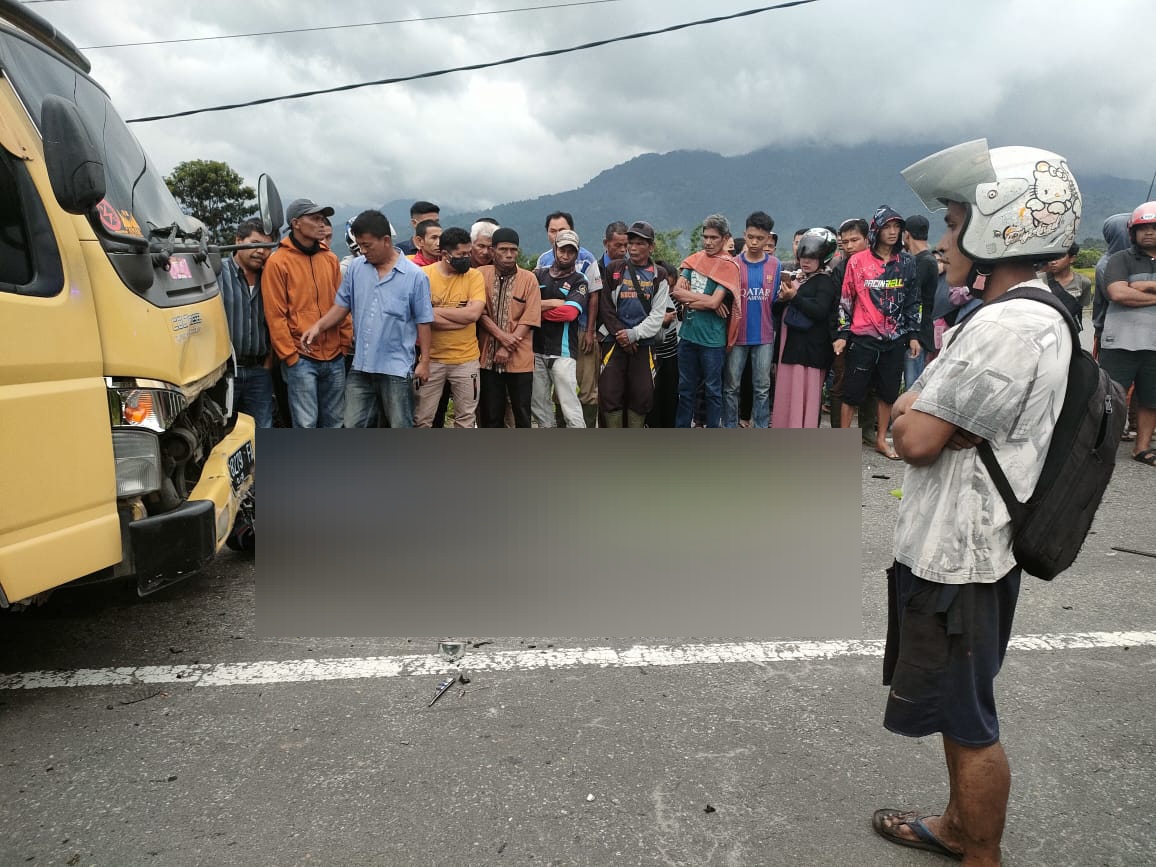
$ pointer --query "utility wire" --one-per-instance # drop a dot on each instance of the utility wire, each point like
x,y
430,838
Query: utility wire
x,y
475,66
345,26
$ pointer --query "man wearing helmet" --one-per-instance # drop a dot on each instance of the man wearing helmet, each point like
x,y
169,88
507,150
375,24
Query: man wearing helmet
x,y
953,588
1128,343
881,305
351,243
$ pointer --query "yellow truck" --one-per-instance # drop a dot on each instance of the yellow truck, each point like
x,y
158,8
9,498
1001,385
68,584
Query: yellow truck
x,y
121,456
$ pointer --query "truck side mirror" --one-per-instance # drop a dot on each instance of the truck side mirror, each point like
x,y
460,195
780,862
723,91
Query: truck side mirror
x,y
269,202
75,166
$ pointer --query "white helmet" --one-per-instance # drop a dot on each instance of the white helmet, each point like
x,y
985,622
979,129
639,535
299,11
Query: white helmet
x,y
351,241
1024,202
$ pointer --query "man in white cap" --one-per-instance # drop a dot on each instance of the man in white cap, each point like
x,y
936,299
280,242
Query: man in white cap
x,y
299,285
556,342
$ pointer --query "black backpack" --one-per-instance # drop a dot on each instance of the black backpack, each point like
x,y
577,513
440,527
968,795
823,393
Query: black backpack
x,y
1049,529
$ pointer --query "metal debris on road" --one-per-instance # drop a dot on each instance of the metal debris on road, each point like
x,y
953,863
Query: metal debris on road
x,y
441,689
140,698
451,648
1134,551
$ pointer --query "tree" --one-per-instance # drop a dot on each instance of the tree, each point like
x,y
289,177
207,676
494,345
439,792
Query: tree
x,y
666,248
213,193
696,239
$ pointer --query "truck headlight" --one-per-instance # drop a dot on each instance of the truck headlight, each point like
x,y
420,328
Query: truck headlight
x,y
145,406
137,454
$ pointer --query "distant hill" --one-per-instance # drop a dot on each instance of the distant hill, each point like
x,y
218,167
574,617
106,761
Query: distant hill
x,y
800,187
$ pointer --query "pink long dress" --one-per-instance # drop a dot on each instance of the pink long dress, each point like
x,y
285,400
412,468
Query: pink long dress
x,y
798,392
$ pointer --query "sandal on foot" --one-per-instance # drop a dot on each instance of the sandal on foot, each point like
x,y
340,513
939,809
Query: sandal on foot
x,y
1148,456
913,820
889,454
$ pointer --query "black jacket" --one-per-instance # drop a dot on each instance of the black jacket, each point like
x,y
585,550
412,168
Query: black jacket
x,y
818,300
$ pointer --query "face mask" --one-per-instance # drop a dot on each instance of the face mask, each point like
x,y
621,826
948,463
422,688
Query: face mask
x,y
460,264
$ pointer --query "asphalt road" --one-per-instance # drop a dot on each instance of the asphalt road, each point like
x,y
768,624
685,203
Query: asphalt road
x,y
767,759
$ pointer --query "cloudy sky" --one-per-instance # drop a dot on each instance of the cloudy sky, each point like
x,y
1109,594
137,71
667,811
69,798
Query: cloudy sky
x,y
1053,73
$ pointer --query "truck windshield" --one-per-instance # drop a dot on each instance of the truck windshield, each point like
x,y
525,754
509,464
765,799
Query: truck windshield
x,y
136,191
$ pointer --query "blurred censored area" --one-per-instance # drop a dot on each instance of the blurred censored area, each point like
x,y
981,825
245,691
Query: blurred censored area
x,y
640,532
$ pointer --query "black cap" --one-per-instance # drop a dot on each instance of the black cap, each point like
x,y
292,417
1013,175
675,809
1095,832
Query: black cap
x,y
506,235
301,207
917,226
641,229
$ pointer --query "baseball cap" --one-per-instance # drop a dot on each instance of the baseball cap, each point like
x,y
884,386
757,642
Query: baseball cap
x,y
301,207
917,226
566,238
641,229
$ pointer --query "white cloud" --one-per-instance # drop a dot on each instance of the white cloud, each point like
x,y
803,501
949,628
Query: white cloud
x,y
1054,74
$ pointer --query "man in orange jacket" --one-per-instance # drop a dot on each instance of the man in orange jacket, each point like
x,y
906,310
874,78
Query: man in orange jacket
x,y
299,285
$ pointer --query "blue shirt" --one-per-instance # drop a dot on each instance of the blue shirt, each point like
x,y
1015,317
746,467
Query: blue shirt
x,y
386,312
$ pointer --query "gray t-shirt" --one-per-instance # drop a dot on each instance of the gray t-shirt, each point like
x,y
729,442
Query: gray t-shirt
x,y
1131,328
1004,379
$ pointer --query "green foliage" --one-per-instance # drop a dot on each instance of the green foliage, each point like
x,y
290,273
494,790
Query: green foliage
x,y
527,260
666,247
696,239
213,193
1087,258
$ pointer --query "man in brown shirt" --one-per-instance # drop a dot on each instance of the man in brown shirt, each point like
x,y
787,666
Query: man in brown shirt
x,y
513,308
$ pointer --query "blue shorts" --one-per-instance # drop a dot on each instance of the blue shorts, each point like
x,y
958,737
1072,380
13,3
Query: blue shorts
x,y
945,645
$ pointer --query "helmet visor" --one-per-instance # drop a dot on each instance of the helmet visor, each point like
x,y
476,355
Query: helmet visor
x,y
951,175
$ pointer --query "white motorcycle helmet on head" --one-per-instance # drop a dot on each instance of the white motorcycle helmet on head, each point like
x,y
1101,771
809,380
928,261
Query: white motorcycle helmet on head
x,y
1022,202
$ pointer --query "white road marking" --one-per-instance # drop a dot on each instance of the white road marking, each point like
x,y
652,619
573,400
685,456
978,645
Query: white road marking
x,y
353,668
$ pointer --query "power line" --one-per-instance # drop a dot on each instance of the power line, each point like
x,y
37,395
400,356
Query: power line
x,y
344,26
475,66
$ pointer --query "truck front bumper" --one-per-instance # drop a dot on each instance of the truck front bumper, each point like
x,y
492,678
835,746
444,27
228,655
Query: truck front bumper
x,y
166,548
228,474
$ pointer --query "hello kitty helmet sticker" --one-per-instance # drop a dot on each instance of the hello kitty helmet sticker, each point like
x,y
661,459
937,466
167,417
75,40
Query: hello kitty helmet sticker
x,y
1024,201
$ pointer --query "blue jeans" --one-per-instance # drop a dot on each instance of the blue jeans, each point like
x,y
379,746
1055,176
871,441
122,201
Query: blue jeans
x,y
761,356
699,365
366,392
316,391
913,367
254,387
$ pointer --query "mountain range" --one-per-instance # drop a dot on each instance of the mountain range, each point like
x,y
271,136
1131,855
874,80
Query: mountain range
x,y
799,187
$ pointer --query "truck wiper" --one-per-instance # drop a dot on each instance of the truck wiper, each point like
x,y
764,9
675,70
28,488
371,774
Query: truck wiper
x,y
167,241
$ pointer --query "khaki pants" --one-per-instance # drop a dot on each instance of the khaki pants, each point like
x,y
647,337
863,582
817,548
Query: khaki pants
x,y
464,386
587,372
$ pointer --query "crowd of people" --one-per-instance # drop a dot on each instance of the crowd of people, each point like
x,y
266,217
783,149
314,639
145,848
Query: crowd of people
x,y
446,323
618,339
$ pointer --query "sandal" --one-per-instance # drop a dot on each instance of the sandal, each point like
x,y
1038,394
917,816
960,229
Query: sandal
x,y
1148,456
913,820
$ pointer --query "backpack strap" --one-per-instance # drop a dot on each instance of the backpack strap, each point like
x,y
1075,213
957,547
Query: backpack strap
x,y
643,298
1045,296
